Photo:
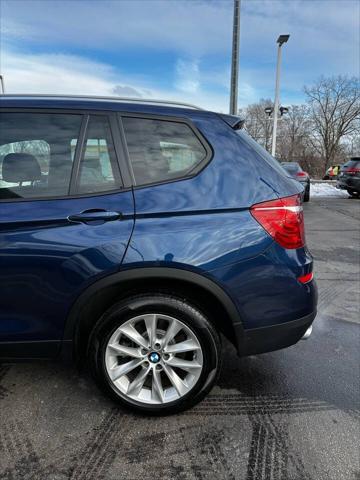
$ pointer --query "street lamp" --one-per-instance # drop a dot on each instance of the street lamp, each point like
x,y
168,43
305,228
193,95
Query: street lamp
x,y
282,110
281,40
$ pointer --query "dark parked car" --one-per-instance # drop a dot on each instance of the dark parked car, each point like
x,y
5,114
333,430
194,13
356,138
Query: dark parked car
x,y
295,171
349,178
134,234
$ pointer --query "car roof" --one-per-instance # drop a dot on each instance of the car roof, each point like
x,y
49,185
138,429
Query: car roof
x,y
93,103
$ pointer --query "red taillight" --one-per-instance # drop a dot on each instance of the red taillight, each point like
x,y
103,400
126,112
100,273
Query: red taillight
x,y
283,219
352,171
306,278
301,174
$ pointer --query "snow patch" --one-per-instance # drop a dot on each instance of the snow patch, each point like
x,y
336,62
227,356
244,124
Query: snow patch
x,y
326,190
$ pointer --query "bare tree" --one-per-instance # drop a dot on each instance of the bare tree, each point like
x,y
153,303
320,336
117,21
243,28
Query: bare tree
x,y
257,122
351,144
322,132
294,132
334,105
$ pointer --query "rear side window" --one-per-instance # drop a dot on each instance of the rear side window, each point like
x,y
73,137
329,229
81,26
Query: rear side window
x,y
35,154
99,170
161,150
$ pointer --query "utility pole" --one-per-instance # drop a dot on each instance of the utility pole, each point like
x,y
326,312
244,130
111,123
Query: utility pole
x,y
235,60
281,40
2,83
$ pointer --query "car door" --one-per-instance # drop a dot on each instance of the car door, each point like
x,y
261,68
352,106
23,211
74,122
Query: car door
x,y
65,220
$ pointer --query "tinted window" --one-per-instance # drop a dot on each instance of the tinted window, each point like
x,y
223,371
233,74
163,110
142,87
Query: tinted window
x,y
351,164
161,150
35,154
291,167
98,169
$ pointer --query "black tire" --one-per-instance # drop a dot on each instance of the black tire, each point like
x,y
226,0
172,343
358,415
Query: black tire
x,y
307,194
165,304
353,193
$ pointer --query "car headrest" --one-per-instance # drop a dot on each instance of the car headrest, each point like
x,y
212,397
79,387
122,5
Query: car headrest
x,y
20,167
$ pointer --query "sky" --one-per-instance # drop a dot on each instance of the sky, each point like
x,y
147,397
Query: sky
x,y
178,50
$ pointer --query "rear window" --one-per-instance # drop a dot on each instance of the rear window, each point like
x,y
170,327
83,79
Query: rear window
x,y
35,154
161,150
353,163
291,167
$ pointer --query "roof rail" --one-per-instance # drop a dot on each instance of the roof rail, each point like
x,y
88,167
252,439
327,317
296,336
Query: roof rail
x,y
109,98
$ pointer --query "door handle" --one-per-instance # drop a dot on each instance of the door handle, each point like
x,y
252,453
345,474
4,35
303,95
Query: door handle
x,y
89,216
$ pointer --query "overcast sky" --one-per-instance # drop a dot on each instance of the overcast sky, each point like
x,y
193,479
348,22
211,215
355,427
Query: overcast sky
x,y
174,49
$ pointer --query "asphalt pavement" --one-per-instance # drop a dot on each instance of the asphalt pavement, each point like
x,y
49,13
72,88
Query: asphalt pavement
x,y
287,415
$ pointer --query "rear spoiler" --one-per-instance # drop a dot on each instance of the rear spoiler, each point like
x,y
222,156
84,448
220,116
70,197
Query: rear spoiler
x,y
236,123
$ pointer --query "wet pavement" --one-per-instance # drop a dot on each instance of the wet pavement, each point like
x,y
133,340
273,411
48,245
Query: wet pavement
x,y
290,415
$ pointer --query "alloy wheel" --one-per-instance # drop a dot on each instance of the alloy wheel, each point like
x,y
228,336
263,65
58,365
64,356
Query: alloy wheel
x,y
153,359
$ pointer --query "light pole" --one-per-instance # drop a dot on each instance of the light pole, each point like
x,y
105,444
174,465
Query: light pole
x,y
235,60
281,40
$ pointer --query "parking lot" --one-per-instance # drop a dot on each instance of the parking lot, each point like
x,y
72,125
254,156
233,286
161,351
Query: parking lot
x,y
291,414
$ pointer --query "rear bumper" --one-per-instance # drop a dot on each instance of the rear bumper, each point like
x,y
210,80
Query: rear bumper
x,y
349,183
274,337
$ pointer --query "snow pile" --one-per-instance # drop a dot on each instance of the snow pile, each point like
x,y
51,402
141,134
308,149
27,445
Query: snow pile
x,y
326,190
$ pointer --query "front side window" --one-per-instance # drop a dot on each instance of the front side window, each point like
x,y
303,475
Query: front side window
x,y
161,150
35,154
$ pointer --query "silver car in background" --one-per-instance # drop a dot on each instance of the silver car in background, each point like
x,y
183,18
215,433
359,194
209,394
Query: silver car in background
x,y
295,171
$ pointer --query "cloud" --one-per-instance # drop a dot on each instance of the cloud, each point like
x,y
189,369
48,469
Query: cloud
x,y
158,24
324,33
247,94
56,73
178,49
187,76
76,75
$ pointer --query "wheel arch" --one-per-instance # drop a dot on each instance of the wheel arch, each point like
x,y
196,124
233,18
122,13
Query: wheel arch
x,y
98,297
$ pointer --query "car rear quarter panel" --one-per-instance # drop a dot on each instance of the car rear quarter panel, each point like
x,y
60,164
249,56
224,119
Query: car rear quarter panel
x,y
204,224
265,289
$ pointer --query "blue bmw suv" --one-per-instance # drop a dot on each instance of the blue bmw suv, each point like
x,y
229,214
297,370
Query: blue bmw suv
x,y
135,234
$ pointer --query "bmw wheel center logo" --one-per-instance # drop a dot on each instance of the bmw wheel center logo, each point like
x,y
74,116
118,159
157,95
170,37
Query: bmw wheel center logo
x,y
154,357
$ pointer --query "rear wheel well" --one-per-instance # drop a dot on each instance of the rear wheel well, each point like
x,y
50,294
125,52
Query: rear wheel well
x,y
103,299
